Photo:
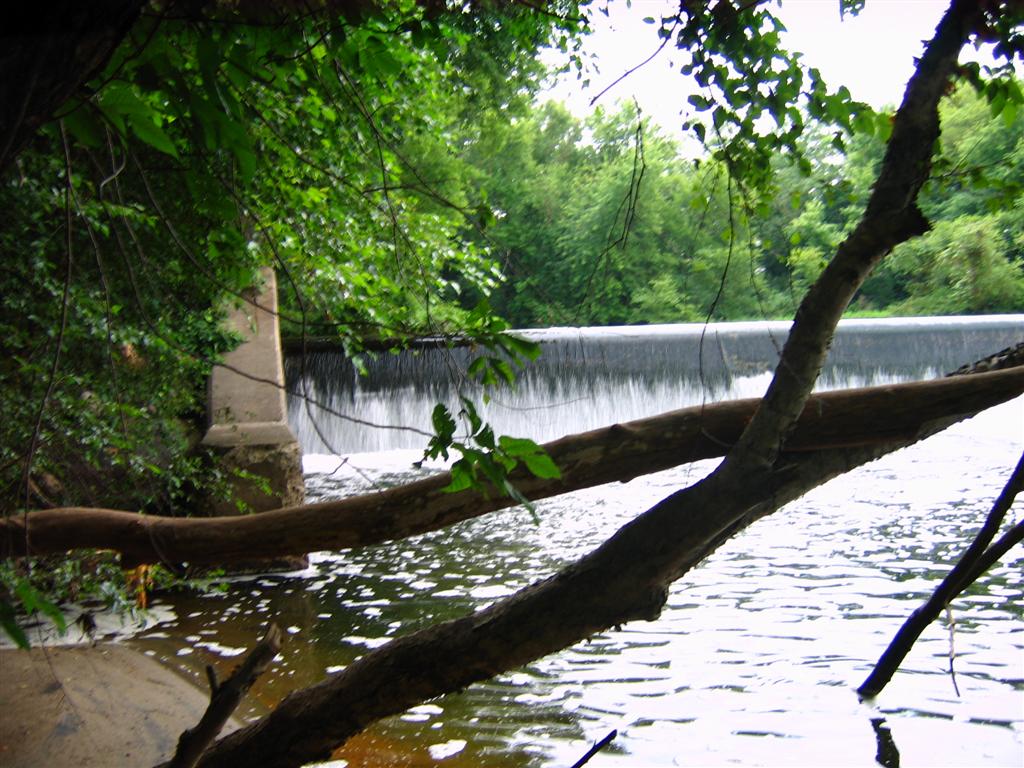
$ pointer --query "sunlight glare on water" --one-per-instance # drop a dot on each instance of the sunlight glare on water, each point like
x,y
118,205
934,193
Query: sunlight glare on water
x,y
755,658
753,661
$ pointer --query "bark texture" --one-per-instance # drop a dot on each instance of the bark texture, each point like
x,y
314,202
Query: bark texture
x,y
623,580
870,415
892,216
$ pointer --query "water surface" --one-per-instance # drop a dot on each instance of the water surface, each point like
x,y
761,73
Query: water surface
x,y
753,662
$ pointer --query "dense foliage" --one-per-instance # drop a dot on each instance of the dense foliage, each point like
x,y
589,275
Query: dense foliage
x,y
684,245
216,140
210,147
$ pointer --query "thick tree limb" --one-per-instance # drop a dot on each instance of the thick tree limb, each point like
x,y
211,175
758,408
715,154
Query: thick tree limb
x,y
623,580
224,700
845,418
964,573
891,217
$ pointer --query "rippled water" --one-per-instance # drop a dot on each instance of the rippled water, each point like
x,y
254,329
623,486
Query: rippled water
x,y
753,662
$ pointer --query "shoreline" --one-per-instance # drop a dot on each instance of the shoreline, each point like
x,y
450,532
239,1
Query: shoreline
x,y
93,706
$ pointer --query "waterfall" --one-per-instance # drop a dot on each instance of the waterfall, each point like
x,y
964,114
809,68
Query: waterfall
x,y
590,377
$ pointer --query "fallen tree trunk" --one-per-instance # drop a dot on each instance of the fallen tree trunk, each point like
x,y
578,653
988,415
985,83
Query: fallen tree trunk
x,y
623,580
621,452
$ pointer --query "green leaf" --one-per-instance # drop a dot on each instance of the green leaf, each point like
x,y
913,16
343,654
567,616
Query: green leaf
x,y
444,424
462,477
8,620
484,437
519,346
209,55
542,465
238,142
864,122
532,455
33,602
883,126
152,134
469,410
477,368
517,446
503,369
126,109
207,118
700,103
1009,113
81,124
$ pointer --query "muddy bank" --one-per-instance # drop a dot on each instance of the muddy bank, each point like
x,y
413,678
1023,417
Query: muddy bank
x,y
102,706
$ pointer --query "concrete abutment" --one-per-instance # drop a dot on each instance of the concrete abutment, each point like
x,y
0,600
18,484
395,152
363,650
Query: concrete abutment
x,y
248,414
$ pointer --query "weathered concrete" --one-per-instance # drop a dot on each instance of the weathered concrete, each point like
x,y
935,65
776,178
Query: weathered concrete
x,y
248,411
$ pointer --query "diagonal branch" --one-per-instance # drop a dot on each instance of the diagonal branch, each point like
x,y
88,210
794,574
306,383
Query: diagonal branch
x,y
621,581
964,573
891,217
627,577
224,700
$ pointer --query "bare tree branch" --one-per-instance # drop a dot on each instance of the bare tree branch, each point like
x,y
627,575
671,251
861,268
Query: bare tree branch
x,y
964,573
224,699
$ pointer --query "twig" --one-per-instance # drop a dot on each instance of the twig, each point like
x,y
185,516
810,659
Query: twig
x,y
978,557
627,210
664,42
951,622
595,749
224,699
887,755
51,382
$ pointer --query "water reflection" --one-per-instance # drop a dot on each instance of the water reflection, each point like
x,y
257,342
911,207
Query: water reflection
x,y
753,661
888,755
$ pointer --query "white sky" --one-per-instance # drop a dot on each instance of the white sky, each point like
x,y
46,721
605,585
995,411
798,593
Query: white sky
x,y
871,54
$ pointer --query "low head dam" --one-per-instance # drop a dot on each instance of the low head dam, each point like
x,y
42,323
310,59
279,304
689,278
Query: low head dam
x,y
590,377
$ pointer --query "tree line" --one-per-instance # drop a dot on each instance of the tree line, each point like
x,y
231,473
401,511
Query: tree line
x,y
580,246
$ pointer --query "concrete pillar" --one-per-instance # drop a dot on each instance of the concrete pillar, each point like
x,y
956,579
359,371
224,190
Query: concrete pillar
x,y
248,410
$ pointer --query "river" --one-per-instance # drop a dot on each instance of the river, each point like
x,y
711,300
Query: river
x,y
754,660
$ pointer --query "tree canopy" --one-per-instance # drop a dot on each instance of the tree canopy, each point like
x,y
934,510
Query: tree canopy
x,y
212,143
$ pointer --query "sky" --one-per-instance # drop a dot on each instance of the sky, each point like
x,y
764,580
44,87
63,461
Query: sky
x,y
871,54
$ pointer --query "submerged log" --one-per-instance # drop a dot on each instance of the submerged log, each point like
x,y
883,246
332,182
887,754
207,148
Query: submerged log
x,y
831,420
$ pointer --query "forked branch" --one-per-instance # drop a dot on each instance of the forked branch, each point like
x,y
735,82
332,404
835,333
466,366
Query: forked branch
x,y
971,565
224,700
